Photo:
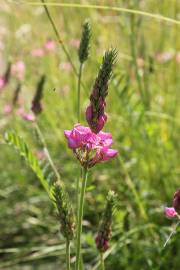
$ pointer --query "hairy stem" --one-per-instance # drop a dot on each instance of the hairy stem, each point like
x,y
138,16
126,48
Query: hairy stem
x,y
102,262
68,266
80,218
79,93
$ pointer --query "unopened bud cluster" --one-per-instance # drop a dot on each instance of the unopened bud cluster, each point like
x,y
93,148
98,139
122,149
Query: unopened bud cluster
x,y
64,211
104,233
95,112
85,42
36,102
176,201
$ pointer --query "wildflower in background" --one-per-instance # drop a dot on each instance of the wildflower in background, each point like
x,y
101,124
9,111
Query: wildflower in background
x,y
26,116
6,77
95,112
38,52
7,109
175,210
104,234
88,147
66,66
40,154
75,43
36,102
50,45
164,57
18,70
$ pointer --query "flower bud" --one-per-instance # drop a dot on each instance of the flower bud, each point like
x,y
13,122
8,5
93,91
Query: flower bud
x,y
105,231
84,43
36,103
176,201
64,211
95,112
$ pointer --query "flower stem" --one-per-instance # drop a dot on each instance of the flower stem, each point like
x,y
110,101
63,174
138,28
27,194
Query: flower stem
x,y
102,261
80,217
68,266
79,93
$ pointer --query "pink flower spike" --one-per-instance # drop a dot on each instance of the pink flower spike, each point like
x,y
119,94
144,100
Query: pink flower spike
x,y
170,212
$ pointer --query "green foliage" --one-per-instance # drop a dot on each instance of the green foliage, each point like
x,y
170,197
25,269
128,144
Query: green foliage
x,y
18,143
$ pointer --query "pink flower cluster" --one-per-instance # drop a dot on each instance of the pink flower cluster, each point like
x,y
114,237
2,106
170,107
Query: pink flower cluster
x,y
90,148
175,210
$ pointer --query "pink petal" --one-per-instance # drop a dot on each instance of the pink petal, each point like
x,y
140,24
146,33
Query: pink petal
x,y
170,212
106,138
67,133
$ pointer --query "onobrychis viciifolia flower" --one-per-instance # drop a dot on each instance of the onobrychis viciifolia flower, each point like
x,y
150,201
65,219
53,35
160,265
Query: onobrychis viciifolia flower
x,y
175,210
105,229
36,102
64,211
84,46
88,147
95,112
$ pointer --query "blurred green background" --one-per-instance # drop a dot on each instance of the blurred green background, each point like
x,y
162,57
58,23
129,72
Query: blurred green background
x,y
143,109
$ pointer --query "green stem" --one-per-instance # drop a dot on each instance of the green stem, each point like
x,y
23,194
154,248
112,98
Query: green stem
x,y
41,137
80,217
58,37
102,261
79,93
68,265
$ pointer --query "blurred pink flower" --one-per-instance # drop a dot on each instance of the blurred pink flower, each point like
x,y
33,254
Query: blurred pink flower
x,y
26,116
7,109
66,66
178,57
2,82
40,154
90,148
18,70
170,212
38,52
75,43
164,57
50,45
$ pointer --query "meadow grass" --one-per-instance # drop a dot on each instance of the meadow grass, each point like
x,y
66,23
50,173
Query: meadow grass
x,y
143,109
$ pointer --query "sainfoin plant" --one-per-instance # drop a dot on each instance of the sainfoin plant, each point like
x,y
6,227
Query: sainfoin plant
x,y
90,146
